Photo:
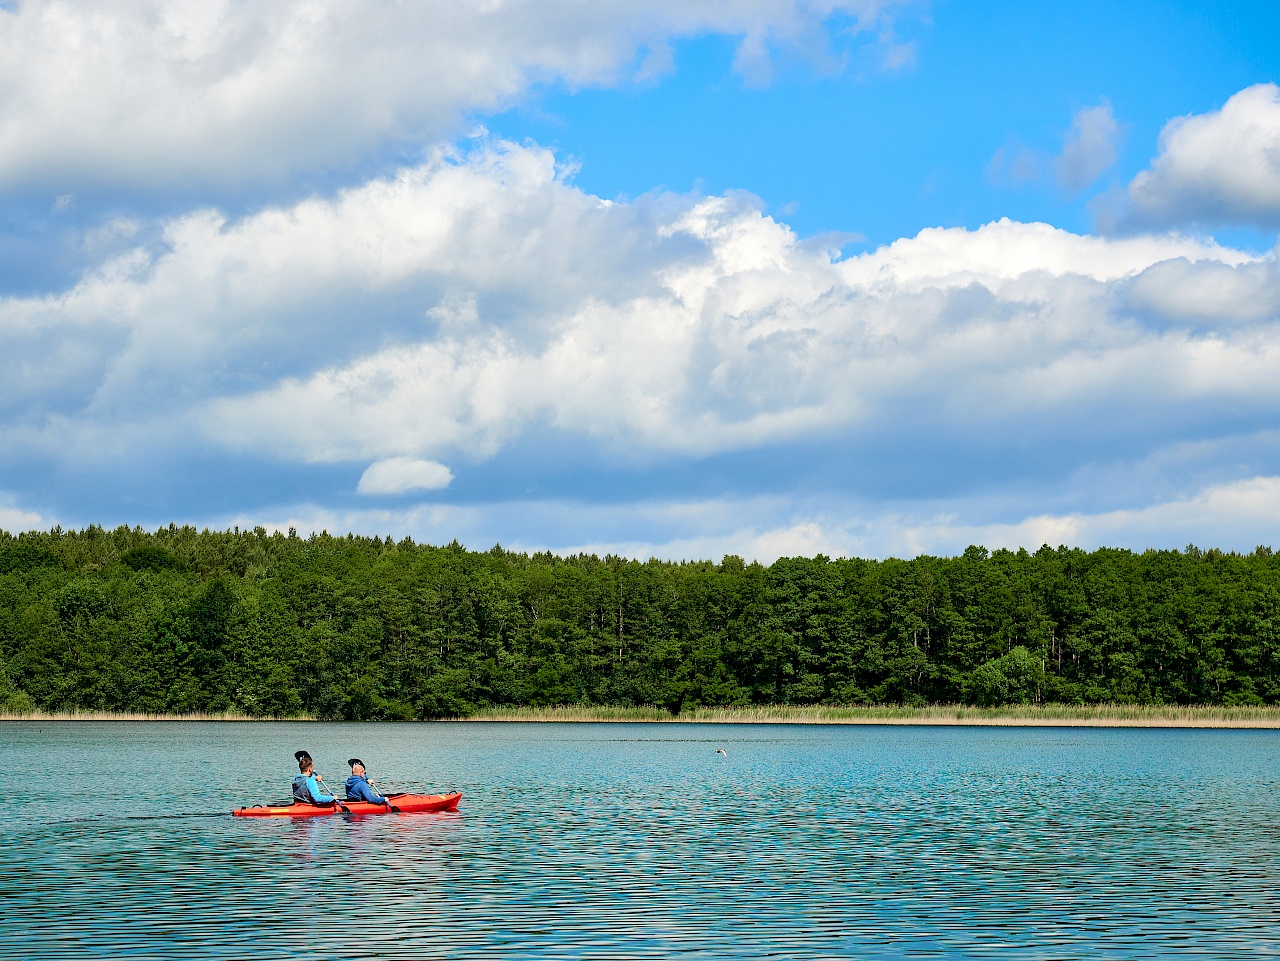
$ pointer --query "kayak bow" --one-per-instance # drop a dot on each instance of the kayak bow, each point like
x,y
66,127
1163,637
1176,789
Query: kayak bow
x,y
399,804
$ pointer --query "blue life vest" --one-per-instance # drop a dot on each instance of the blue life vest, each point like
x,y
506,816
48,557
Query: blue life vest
x,y
300,793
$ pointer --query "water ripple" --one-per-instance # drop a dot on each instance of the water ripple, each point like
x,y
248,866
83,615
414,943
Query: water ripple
x,y
637,841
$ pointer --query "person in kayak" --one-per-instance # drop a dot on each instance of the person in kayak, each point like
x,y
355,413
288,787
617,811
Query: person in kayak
x,y
359,787
307,787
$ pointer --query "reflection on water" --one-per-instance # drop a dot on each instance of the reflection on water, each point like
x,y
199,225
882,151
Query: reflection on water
x,y
639,841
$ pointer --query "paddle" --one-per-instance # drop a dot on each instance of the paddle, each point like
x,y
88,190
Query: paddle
x,y
370,781
385,799
341,807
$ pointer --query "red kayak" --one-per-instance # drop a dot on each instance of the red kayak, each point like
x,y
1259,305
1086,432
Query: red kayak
x,y
398,804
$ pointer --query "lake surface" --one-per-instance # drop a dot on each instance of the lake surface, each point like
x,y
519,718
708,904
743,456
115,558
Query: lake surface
x,y
639,841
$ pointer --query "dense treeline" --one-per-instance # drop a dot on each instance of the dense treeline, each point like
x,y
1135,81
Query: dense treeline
x,y
184,620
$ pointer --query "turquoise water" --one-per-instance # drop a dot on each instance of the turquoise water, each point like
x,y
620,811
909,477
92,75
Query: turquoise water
x,y
639,841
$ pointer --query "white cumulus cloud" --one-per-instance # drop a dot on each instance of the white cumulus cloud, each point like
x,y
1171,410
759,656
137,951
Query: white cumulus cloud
x,y
398,475
474,300
480,306
1181,291
171,93
750,339
15,519
1221,167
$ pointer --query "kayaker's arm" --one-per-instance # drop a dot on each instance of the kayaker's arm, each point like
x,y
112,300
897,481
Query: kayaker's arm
x,y
318,793
358,789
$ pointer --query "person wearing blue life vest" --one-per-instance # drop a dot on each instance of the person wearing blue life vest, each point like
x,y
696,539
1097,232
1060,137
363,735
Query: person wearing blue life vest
x,y
359,787
308,786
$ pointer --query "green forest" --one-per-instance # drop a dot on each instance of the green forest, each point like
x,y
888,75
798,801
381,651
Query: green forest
x,y
181,620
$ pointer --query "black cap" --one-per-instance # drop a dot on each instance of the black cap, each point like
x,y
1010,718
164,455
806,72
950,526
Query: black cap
x,y
299,755
354,761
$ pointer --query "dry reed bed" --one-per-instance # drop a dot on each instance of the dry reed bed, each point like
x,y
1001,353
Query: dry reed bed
x,y
1018,715
1021,715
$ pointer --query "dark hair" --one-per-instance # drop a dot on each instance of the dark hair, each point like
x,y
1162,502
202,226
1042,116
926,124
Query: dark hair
x,y
305,762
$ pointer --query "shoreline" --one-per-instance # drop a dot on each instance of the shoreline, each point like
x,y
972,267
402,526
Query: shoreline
x,y
941,715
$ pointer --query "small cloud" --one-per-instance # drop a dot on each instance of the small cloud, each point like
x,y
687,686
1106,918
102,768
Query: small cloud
x,y
109,237
899,56
456,312
16,520
1109,209
1216,168
398,475
752,60
1015,165
656,61
1090,147
64,202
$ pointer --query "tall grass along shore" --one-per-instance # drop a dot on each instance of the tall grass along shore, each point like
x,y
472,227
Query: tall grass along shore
x,y
1013,715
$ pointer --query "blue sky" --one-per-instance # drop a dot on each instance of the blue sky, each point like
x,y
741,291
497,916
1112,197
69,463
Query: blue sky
x,y
663,278
884,152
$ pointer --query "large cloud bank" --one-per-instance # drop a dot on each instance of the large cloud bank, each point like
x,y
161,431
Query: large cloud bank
x,y
472,346
469,299
438,316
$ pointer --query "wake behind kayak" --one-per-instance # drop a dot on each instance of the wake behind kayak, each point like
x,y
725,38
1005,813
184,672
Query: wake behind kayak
x,y
397,804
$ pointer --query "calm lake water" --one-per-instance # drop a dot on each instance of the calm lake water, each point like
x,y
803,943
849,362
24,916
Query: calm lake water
x,y
639,841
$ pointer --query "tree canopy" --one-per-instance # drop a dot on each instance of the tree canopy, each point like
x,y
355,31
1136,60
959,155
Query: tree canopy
x,y
364,627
